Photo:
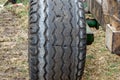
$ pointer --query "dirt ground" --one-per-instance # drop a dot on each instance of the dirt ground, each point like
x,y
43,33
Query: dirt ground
x,y
100,63
13,48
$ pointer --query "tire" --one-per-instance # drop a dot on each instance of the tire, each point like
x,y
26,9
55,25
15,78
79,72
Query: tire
x,y
57,40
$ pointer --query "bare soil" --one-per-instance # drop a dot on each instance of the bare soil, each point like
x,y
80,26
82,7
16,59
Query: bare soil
x,y
100,63
13,48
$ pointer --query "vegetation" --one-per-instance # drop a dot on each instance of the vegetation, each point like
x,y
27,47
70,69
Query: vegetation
x,y
13,42
100,64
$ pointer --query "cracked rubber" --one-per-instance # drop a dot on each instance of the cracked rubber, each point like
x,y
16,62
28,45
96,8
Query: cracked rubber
x,y
57,40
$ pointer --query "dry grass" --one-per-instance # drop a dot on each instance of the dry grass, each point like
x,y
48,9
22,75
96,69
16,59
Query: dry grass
x,y
100,63
13,45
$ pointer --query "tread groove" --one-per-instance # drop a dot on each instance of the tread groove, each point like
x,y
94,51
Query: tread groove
x,y
57,39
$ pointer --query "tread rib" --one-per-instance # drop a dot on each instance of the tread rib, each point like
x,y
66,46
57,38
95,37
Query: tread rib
x,y
57,39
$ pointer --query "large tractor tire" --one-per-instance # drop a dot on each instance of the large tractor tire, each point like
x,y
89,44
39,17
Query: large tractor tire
x,y
57,40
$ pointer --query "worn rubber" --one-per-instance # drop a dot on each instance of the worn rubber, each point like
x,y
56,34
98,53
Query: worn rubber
x,y
57,40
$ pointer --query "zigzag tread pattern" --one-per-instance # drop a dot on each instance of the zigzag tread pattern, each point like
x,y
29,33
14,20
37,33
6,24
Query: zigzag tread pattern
x,y
33,41
81,55
57,41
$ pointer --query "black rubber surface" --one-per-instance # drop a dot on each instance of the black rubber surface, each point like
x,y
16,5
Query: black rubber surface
x,y
57,40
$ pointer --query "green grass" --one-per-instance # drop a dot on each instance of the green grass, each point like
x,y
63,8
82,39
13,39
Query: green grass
x,y
25,2
100,63
13,55
19,11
